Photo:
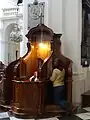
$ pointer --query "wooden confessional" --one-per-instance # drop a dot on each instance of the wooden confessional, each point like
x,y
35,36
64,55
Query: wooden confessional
x,y
33,98
2,79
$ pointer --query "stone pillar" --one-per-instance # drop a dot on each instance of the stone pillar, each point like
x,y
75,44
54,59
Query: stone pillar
x,y
0,51
72,28
72,31
23,47
55,15
55,18
4,47
65,17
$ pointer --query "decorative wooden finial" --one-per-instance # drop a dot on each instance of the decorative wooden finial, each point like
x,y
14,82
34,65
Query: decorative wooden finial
x,y
41,18
35,2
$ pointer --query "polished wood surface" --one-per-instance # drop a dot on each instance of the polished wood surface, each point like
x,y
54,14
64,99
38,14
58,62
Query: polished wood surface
x,y
33,97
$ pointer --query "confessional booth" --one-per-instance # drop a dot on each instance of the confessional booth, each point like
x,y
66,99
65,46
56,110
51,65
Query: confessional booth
x,y
2,79
27,86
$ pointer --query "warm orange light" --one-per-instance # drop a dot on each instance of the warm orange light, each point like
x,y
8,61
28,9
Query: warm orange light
x,y
38,50
43,50
43,46
32,46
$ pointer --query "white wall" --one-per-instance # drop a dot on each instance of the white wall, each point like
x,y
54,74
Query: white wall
x,y
55,15
7,4
55,18
72,29
8,48
3,44
65,16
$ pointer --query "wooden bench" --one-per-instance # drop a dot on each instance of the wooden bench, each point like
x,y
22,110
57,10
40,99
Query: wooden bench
x,y
86,99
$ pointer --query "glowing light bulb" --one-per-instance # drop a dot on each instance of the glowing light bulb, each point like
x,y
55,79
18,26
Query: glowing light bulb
x,y
32,46
42,45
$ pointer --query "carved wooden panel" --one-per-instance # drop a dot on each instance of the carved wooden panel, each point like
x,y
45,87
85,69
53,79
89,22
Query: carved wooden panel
x,y
2,80
34,13
28,97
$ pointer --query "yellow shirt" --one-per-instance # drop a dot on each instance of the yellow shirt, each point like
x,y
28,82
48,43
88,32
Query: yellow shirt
x,y
57,77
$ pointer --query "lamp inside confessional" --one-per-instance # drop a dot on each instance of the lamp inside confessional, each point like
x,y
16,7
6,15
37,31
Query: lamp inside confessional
x,y
40,49
43,47
43,50
39,52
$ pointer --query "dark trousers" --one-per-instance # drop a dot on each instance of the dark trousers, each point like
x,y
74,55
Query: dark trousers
x,y
59,96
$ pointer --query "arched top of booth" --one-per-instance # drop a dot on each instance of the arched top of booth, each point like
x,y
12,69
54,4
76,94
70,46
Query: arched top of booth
x,y
40,31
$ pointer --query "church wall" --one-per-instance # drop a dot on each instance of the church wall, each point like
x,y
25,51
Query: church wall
x,y
8,48
65,16
3,4
72,42
4,40
72,46
55,15
6,4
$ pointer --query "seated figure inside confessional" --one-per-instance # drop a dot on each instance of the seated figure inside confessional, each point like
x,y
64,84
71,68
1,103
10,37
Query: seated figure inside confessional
x,y
43,73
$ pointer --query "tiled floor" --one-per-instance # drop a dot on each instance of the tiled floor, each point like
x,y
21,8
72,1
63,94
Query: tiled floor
x,y
54,118
83,114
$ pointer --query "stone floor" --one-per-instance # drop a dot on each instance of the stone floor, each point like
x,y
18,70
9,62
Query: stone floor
x,y
81,114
